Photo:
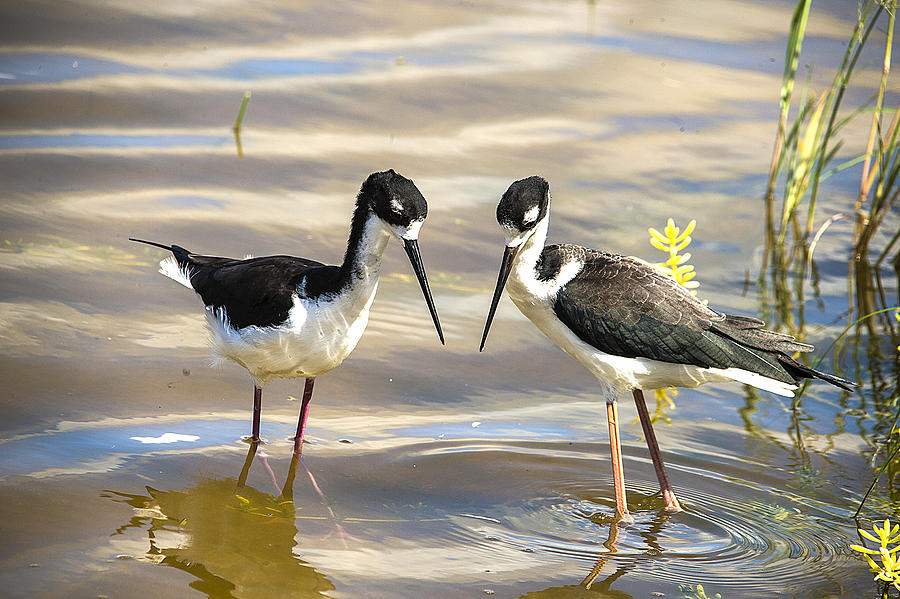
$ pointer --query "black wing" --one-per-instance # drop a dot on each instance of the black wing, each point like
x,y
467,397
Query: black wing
x,y
258,291
624,306
255,291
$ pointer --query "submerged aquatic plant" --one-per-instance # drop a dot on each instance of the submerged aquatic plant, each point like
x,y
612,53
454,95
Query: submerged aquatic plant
x,y
888,540
698,592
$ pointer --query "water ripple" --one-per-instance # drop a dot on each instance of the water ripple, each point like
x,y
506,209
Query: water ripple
x,y
733,531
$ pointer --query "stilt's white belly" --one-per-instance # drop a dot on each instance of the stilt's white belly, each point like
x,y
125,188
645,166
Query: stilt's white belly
x,y
317,337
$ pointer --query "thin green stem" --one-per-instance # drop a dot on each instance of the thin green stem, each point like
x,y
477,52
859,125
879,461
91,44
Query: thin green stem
x,y
842,78
241,112
884,465
791,60
847,328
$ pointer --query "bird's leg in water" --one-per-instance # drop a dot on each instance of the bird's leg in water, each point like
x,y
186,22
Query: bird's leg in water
x,y
251,452
287,494
287,491
304,414
257,410
615,448
665,486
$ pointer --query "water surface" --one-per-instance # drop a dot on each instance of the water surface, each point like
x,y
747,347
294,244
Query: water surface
x,y
431,471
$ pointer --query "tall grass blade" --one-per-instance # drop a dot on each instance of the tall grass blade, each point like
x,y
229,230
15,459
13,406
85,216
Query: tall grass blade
x,y
806,152
791,60
838,87
239,121
241,112
867,176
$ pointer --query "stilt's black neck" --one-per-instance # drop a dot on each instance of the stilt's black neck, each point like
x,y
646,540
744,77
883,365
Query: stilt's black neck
x,y
361,215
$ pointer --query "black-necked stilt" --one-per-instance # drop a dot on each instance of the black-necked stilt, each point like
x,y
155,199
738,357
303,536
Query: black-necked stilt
x,y
630,324
287,317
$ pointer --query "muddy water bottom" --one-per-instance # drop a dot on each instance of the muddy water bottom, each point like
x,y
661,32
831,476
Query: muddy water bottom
x,y
448,509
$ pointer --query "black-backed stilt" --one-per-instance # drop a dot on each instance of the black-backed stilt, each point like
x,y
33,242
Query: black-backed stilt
x,y
631,325
287,317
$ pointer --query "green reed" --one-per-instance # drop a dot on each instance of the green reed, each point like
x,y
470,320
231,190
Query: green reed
x,y
814,129
239,122
807,151
792,58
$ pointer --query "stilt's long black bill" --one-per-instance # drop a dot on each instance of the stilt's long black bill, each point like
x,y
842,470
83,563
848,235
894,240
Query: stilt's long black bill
x,y
412,250
509,256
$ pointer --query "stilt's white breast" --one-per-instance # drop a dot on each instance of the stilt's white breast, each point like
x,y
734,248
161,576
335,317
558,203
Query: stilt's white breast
x,y
318,335
319,332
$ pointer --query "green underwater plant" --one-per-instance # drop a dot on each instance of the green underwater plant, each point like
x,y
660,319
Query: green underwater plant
x,y
696,592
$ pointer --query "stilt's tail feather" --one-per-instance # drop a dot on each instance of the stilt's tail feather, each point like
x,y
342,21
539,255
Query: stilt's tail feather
x,y
798,371
749,332
153,243
180,253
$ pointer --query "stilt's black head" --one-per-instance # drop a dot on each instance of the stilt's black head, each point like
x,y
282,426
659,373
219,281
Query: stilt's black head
x,y
523,205
402,209
394,199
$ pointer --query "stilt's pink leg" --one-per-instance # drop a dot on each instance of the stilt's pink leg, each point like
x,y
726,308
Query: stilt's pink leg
x,y
615,448
257,410
304,415
668,492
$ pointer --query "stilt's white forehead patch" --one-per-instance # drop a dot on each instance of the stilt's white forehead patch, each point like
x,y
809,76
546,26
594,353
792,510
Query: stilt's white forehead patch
x,y
514,237
411,232
531,215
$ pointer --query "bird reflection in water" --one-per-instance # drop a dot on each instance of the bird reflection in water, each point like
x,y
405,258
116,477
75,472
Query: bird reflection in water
x,y
232,537
611,566
287,490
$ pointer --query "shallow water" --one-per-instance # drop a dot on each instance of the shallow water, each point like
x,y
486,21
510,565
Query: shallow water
x,y
430,470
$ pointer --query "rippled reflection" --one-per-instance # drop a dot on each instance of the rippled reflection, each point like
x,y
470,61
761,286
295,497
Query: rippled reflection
x,y
732,527
235,539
